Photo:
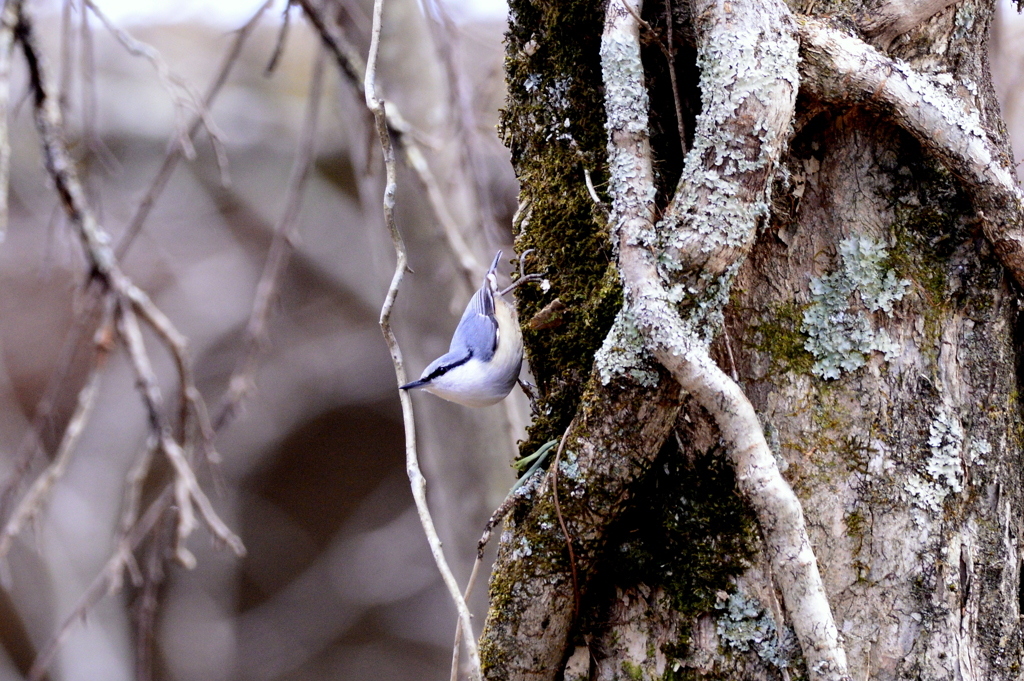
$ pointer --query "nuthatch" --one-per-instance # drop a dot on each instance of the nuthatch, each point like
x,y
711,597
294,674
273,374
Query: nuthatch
x,y
482,364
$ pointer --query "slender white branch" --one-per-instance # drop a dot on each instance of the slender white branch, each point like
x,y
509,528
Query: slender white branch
x,y
750,109
838,67
352,65
418,483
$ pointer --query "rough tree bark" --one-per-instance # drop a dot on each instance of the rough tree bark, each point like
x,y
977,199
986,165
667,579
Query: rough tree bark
x,y
856,261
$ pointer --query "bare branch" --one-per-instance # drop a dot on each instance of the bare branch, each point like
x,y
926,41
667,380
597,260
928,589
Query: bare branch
x,y
838,67
416,479
105,582
174,153
447,42
468,264
34,500
186,488
756,35
285,235
123,300
122,294
183,95
352,65
282,40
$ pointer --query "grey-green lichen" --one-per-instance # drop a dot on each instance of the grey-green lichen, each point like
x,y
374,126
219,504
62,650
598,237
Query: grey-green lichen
x,y
698,321
623,353
626,104
839,334
943,472
743,64
745,625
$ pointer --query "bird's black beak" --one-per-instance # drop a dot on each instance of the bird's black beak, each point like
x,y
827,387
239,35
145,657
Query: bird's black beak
x,y
414,384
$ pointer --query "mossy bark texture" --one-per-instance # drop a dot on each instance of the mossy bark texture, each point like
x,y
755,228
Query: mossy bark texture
x,y
873,326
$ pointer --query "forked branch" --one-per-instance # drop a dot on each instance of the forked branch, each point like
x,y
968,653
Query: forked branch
x,y
711,224
125,300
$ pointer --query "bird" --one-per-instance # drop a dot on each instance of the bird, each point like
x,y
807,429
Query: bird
x,y
486,354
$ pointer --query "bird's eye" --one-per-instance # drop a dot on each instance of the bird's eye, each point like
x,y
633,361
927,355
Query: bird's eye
x,y
445,368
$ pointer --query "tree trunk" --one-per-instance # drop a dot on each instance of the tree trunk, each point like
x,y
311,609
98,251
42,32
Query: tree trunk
x,y
870,323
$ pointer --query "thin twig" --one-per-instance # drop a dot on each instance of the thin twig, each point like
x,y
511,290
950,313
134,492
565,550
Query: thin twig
x,y
186,488
174,153
447,42
671,55
282,39
87,67
133,482
561,522
32,442
146,604
469,266
416,479
66,55
192,404
106,581
285,234
351,64
34,500
182,94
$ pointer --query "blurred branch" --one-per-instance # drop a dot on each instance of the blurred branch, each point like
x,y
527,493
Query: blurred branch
x,y
32,442
351,64
285,235
107,581
126,303
183,95
282,40
34,500
174,151
8,20
448,45
416,479
187,492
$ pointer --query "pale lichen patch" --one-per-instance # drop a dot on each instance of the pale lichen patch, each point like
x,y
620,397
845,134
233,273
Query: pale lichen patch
x,y
745,625
623,353
944,469
841,336
716,205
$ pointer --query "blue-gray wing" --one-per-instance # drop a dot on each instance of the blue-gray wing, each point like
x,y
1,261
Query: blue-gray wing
x,y
477,330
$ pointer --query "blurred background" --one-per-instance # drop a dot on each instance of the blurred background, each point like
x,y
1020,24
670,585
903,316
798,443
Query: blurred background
x,y
338,582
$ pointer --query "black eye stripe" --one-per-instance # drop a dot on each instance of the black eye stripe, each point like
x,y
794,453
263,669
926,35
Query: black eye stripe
x,y
445,368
